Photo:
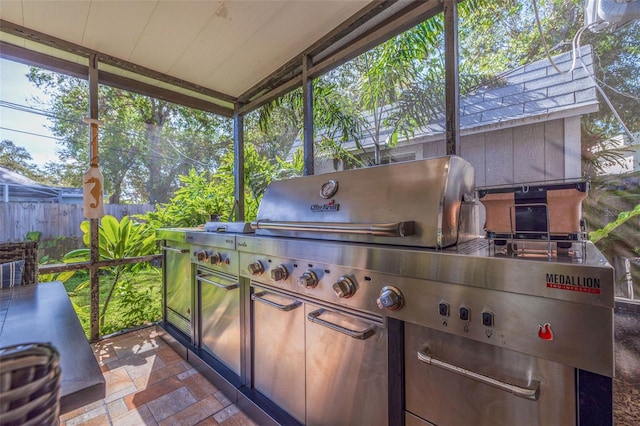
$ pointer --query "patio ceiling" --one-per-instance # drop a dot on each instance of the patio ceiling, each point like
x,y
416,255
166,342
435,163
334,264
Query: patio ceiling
x,y
215,55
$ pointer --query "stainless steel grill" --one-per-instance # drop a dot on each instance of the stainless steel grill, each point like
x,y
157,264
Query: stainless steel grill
x,y
415,204
394,245
367,295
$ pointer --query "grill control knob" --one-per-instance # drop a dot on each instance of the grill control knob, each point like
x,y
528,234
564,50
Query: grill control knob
x,y
203,255
308,279
344,288
215,258
279,273
255,268
390,298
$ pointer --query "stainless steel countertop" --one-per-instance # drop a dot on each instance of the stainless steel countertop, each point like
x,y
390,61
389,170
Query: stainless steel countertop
x,y
43,313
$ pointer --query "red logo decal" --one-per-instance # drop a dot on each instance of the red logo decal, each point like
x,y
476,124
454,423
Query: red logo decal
x,y
545,332
573,288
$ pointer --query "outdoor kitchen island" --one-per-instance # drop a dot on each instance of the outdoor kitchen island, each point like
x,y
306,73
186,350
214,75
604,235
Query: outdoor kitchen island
x,y
364,298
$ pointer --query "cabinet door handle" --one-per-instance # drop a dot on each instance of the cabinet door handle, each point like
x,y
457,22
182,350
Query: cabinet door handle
x,y
217,284
361,335
532,393
258,298
175,250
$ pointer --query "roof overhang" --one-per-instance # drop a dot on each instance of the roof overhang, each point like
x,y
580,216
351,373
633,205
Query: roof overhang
x,y
221,56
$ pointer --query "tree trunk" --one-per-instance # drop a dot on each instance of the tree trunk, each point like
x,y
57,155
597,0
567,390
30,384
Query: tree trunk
x,y
154,162
155,184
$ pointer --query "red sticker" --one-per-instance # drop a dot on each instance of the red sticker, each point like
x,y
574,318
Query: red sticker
x,y
545,332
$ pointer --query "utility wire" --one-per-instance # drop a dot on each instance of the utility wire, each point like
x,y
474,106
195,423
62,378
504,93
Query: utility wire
x,y
106,148
130,133
26,108
577,56
31,133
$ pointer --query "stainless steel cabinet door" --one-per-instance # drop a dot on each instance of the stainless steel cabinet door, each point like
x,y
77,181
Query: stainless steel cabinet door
x,y
278,358
347,374
220,317
454,381
177,281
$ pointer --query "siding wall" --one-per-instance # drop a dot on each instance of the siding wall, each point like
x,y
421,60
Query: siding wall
x,y
534,152
530,153
53,219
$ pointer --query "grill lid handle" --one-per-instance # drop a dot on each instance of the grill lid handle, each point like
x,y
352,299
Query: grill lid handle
x,y
387,229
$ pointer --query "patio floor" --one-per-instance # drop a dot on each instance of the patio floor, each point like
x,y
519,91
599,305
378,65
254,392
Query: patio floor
x,y
148,383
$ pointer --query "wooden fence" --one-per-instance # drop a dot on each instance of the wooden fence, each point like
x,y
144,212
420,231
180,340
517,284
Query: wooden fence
x,y
53,219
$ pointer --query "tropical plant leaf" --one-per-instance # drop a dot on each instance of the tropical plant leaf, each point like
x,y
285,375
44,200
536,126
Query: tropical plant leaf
x,y
623,217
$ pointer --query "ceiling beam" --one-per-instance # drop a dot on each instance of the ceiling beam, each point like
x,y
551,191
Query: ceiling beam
x,y
56,43
286,87
35,59
62,66
150,90
374,24
335,51
294,67
403,20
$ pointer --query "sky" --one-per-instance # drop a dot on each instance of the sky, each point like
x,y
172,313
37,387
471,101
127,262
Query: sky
x,y
23,127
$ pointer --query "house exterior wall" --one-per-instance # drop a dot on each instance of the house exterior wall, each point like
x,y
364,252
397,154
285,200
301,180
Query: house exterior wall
x,y
531,153
541,151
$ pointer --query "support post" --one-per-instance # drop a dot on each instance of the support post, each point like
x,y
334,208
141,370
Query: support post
x,y
95,243
307,122
452,90
238,165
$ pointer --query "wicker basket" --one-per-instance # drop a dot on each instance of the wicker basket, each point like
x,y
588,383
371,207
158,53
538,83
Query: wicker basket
x,y
27,251
29,385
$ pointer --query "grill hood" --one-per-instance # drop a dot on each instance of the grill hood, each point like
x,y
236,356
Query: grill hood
x,y
415,203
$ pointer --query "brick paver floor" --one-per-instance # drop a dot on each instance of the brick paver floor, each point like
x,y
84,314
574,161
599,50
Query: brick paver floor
x,y
148,383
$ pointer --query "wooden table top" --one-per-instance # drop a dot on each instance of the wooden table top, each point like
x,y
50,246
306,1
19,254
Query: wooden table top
x,y
42,313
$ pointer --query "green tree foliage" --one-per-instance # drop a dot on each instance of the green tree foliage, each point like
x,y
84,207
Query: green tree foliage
x,y
599,152
18,159
385,93
397,87
203,194
144,144
622,218
503,34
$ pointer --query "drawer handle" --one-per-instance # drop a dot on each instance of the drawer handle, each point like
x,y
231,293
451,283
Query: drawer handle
x,y
258,298
175,250
361,335
217,284
527,393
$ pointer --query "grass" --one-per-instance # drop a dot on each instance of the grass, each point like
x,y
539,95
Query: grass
x,y
136,300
